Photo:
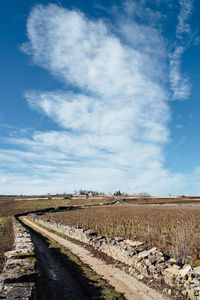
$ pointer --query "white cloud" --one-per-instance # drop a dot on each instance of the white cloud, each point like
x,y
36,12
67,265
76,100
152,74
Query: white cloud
x,y
183,26
113,121
141,10
3,180
87,55
179,82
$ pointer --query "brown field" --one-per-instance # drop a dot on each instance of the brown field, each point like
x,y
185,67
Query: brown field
x,y
174,229
151,200
10,206
6,238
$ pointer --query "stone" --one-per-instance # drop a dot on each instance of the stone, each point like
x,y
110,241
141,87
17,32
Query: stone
x,y
159,268
156,276
133,243
193,295
183,272
122,245
112,242
147,262
169,292
196,281
130,250
141,248
20,276
172,271
172,260
197,270
152,259
160,259
169,279
130,269
19,291
90,232
176,266
119,239
146,253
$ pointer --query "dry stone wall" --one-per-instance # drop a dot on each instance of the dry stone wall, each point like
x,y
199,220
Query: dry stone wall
x,y
150,263
18,278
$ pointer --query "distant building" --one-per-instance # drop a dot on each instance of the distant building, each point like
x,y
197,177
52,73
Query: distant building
x,y
90,194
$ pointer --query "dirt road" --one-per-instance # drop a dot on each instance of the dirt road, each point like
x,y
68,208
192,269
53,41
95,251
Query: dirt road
x,y
56,281
122,282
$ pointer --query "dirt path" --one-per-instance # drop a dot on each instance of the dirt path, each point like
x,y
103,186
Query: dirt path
x,y
122,282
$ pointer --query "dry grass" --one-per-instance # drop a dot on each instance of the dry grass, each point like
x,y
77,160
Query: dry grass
x,y
6,238
10,207
174,229
142,199
92,201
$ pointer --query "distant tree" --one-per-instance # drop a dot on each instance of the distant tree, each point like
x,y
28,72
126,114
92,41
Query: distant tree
x,y
117,193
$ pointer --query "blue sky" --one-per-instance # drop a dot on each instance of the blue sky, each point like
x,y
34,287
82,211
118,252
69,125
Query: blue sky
x,y
100,95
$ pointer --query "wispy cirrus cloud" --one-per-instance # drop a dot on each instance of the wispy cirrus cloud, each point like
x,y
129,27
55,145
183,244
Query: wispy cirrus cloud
x,y
183,28
179,82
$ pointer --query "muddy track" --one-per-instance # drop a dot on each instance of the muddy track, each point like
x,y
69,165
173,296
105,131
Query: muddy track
x,y
56,281
122,282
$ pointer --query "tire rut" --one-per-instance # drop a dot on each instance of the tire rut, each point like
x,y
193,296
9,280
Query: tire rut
x,y
56,281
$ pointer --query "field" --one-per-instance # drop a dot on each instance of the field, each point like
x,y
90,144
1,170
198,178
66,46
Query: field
x,y
9,206
6,238
142,199
174,229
